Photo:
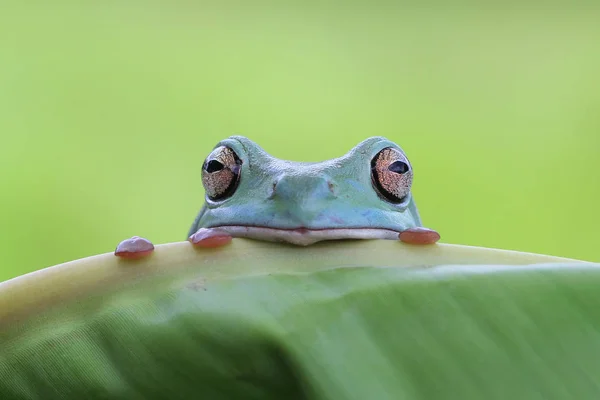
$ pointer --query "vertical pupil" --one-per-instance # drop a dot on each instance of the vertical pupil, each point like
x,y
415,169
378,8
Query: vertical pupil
x,y
214,166
398,167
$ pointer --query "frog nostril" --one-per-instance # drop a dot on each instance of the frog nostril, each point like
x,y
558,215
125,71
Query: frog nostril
x,y
331,186
273,190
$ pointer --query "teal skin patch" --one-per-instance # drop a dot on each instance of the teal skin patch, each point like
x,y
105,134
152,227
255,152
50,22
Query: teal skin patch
x,y
252,194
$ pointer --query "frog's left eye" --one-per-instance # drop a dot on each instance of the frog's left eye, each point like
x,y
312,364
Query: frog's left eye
x,y
391,174
221,173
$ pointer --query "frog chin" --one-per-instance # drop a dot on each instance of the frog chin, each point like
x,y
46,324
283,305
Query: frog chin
x,y
305,236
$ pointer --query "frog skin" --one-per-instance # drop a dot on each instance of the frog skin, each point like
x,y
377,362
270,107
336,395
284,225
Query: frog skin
x,y
364,194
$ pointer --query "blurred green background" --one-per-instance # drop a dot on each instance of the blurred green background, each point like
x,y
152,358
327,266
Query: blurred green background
x,y
107,110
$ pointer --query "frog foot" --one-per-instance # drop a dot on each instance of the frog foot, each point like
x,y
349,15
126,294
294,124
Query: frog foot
x,y
419,235
134,248
209,237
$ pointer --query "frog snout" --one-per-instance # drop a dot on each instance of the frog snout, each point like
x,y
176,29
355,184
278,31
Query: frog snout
x,y
301,199
302,188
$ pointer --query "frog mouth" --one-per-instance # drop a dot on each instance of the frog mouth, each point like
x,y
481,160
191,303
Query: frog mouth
x,y
304,236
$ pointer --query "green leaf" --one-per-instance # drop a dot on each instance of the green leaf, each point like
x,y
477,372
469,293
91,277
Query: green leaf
x,y
348,320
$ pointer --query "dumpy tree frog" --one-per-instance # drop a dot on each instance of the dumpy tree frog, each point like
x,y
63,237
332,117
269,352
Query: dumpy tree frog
x,y
365,194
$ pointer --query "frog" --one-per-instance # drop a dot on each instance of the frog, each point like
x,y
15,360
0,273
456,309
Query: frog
x,y
364,194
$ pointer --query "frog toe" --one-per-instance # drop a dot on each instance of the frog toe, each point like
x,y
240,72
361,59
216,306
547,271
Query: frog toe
x,y
419,235
210,238
134,248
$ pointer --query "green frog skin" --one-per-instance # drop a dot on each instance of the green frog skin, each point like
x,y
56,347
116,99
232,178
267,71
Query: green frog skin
x,y
365,194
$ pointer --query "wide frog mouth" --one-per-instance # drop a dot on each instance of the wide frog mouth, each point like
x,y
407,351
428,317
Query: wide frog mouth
x,y
305,236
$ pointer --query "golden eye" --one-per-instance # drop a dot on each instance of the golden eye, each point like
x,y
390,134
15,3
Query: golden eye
x,y
221,173
391,174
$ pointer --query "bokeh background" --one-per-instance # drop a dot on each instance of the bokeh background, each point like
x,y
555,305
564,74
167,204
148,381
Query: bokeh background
x,y
107,110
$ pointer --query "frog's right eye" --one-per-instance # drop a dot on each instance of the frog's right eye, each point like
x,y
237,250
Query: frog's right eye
x,y
391,174
221,173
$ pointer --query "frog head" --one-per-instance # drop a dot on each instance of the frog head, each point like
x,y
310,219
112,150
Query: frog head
x,y
364,194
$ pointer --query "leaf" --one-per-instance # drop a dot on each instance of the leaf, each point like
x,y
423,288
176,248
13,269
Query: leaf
x,y
347,320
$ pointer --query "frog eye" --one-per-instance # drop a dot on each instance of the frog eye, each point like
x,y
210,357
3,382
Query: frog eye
x,y
391,174
221,173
